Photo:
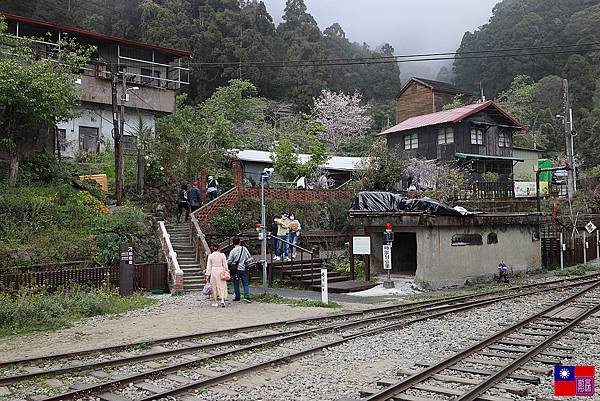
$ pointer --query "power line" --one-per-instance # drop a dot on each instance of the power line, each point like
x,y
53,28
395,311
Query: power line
x,y
409,58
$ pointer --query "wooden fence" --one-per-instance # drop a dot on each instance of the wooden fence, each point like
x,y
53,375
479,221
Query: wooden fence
x,y
485,190
149,276
574,254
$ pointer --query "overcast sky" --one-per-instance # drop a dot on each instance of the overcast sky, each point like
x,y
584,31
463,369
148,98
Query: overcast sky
x,y
411,26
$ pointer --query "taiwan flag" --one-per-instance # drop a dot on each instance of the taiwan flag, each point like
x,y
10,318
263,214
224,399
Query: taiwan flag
x,y
573,381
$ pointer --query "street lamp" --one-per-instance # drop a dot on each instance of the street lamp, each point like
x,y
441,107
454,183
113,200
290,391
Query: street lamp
x,y
265,175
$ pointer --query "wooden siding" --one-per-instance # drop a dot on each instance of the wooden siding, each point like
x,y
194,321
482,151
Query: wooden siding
x,y
441,99
416,100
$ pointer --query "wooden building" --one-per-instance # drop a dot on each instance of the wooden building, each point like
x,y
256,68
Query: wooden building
x,y
480,134
420,96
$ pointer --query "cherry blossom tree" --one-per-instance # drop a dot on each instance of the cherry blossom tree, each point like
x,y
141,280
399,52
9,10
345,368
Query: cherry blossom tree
x,y
342,115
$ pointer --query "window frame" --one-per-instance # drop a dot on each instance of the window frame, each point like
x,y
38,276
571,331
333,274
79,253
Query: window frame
x,y
411,141
445,135
478,136
504,140
467,240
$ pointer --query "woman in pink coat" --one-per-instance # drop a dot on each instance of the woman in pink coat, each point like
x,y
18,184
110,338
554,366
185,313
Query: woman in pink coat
x,y
215,265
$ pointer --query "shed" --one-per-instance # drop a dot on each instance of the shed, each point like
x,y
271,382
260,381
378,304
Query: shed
x,y
443,249
340,168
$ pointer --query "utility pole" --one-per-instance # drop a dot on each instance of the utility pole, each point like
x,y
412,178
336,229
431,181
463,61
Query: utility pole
x,y
117,136
568,123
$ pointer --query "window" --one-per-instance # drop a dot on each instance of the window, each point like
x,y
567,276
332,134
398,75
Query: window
x,y
466,239
411,141
88,139
477,136
62,139
503,140
492,238
445,135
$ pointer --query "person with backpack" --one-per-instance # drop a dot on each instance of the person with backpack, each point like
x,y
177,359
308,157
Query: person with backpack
x,y
182,203
194,197
212,188
238,261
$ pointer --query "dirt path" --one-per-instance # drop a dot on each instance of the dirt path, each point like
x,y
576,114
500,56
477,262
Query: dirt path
x,y
172,316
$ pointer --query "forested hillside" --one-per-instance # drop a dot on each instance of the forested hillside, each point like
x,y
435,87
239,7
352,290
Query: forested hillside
x,y
230,31
527,23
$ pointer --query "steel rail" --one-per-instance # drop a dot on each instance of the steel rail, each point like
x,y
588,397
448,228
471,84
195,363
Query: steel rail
x,y
427,373
492,380
201,383
285,322
333,326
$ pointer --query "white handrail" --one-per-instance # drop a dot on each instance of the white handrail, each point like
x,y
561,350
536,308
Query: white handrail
x,y
168,251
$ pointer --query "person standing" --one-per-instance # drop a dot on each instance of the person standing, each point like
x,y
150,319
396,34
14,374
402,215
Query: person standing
x,y
182,203
237,258
194,197
212,188
216,269
282,234
274,228
294,235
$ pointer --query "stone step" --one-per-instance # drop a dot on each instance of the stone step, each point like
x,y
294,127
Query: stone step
x,y
194,287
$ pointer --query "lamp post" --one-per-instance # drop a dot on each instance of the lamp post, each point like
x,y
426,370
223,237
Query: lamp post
x,y
265,175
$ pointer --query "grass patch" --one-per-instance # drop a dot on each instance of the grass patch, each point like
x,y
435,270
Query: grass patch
x,y
39,310
578,270
277,299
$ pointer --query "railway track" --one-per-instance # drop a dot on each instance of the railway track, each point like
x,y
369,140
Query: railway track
x,y
168,357
498,357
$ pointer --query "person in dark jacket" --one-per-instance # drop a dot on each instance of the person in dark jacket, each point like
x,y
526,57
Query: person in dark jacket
x,y
194,197
182,203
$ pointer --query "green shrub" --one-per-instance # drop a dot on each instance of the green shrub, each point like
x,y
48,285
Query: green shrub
x,y
58,223
578,270
37,309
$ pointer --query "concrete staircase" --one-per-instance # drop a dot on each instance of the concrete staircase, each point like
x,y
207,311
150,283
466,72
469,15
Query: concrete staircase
x,y
193,275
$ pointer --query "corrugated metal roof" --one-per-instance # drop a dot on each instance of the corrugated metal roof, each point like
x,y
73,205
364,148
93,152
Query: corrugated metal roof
x,y
476,156
340,163
95,35
448,116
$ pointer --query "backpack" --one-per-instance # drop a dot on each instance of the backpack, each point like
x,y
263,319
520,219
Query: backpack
x,y
182,196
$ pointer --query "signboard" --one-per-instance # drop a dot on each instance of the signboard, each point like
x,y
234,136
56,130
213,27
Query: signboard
x,y
590,227
526,189
126,270
361,245
387,257
324,290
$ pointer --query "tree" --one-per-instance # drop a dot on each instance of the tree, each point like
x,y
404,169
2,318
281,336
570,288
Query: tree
x,y
299,38
288,164
383,169
342,116
35,92
535,105
183,146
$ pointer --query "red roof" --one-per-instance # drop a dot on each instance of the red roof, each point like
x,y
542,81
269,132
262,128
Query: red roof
x,y
99,36
449,116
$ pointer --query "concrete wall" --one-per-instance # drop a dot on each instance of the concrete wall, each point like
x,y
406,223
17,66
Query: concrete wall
x,y
98,90
524,171
100,116
439,264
